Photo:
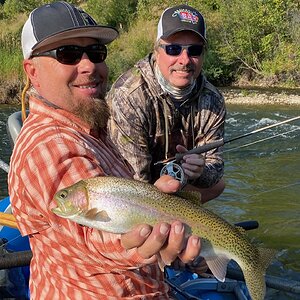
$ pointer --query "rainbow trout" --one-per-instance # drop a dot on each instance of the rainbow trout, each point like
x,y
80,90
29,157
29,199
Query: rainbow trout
x,y
117,205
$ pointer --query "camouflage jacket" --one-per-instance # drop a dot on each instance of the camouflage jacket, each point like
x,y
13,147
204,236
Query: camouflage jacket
x,y
141,112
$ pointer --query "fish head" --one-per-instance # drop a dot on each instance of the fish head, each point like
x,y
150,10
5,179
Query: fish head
x,y
71,201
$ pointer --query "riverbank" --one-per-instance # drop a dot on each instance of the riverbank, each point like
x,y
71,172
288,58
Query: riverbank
x,y
261,96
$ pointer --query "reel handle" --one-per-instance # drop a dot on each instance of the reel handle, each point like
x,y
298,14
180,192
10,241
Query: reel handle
x,y
200,149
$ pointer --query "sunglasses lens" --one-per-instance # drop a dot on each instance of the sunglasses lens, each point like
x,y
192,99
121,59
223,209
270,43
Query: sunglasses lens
x,y
96,53
71,55
195,50
173,50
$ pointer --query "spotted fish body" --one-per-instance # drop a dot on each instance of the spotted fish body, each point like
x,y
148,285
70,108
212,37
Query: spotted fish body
x,y
117,205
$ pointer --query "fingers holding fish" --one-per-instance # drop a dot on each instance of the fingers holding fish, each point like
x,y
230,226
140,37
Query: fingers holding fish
x,y
175,244
198,265
191,251
136,237
167,184
155,241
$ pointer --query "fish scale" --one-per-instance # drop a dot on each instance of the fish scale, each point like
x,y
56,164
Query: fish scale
x,y
118,205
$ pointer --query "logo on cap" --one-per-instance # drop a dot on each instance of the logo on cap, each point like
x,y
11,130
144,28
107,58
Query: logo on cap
x,y
185,15
87,19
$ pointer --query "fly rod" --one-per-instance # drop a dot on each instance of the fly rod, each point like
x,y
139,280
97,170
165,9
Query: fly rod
x,y
178,157
4,166
262,129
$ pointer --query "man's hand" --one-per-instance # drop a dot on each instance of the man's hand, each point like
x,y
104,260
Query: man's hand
x,y
193,164
198,266
167,184
167,240
170,241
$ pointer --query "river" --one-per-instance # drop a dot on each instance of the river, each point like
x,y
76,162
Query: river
x,y
262,181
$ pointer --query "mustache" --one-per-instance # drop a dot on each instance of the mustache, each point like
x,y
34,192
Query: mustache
x,y
93,79
187,68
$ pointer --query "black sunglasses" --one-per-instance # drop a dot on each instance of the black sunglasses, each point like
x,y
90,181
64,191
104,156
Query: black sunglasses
x,y
176,49
71,54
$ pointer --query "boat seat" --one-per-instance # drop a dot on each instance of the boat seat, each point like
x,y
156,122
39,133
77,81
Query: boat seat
x,y
14,125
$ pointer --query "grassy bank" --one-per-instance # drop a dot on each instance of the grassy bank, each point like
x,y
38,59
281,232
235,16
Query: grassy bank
x,y
253,44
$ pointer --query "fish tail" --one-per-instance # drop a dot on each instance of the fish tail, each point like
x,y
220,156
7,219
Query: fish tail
x,y
266,256
255,282
255,275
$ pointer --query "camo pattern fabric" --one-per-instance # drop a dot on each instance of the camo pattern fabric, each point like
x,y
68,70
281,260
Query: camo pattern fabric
x,y
140,110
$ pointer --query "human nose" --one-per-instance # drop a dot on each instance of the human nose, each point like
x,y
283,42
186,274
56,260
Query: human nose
x,y
184,57
86,64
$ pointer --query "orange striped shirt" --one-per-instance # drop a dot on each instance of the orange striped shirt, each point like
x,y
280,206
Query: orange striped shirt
x,y
54,150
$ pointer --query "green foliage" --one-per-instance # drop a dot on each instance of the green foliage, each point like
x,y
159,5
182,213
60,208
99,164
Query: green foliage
x,y
218,72
12,7
11,63
111,12
256,37
129,48
285,64
152,9
254,31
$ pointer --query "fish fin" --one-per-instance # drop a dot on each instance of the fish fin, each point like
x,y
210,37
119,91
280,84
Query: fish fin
x,y
241,229
192,196
94,213
266,255
218,266
255,282
254,277
91,213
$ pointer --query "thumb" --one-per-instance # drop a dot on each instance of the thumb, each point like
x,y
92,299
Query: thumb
x,y
181,149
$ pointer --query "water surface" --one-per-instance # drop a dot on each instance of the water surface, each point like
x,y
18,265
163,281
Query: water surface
x,y
262,181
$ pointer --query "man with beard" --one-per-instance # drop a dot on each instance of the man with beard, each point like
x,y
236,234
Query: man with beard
x,y
64,140
165,104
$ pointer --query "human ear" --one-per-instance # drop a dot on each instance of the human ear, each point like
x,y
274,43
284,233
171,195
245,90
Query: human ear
x,y
30,68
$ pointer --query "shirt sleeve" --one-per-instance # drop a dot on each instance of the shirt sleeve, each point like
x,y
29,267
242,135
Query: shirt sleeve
x,y
129,129
212,122
49,167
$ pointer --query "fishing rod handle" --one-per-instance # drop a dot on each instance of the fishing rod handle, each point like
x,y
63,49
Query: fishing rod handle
x,y
200,149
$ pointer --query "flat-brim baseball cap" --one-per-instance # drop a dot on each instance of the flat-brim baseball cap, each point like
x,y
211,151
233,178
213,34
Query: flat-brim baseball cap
x,y
181,18
60,20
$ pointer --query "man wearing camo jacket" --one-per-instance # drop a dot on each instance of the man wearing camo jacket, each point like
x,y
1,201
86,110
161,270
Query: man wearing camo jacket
x,y
165,105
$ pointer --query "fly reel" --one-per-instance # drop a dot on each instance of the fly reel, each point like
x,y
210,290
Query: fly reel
x,y
175,171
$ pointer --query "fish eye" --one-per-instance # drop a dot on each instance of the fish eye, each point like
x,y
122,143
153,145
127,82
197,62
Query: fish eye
x,y
63,194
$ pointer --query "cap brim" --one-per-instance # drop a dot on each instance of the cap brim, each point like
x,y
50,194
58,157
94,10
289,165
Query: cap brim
x,y
104,34
169,33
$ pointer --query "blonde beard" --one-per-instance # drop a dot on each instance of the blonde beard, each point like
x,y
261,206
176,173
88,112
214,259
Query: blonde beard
x,y
95,114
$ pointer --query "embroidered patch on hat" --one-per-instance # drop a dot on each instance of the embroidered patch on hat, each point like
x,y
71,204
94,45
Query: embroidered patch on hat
x,y
186,15
181,18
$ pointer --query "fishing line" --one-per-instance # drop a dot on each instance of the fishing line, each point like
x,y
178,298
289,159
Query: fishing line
x,y
261,140
8,241
262,129
275,189
213,145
